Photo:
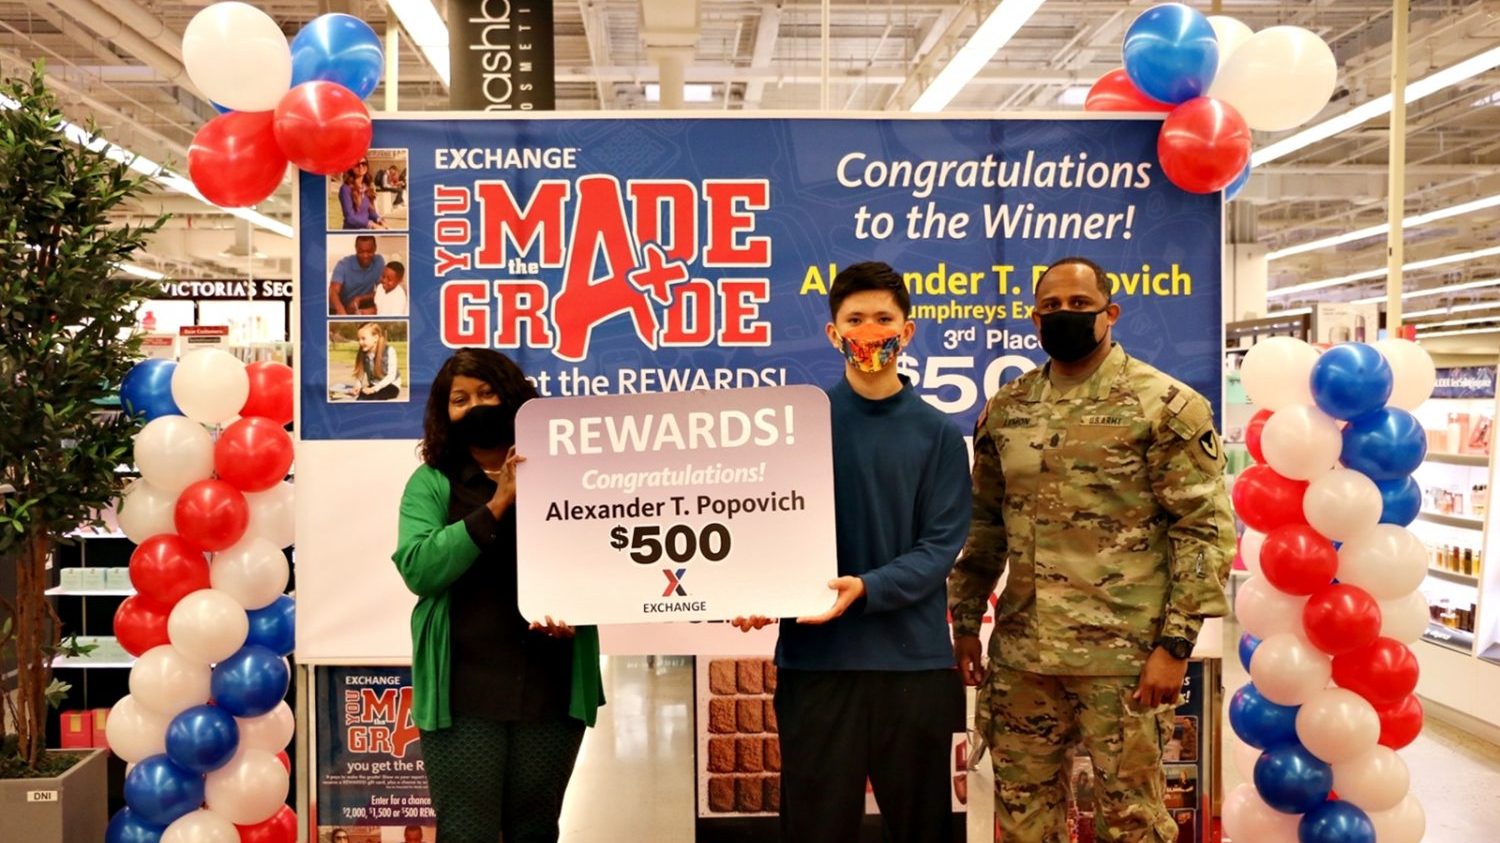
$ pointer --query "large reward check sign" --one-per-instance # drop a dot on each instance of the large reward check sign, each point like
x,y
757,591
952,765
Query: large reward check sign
x,y
676,507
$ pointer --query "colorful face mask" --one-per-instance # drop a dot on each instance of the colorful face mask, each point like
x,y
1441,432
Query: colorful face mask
x,y
871,347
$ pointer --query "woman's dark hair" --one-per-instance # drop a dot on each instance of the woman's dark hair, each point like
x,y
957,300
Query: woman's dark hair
x,y
492,367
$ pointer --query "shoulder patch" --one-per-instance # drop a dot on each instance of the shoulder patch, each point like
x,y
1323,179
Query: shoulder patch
x,y
1209,442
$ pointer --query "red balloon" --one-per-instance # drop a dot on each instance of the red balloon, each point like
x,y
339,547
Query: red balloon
x,y
235,161
286,760
1204,144
212,515
1400,723
270,392
253,454
166,568
140,625
281,828
1340,618
323,127
1298,560
1252,435
1383,672
1265,500
1115,92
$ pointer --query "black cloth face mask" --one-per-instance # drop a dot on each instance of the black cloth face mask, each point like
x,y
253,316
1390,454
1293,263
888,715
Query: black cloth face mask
x,y
486,426
1068,335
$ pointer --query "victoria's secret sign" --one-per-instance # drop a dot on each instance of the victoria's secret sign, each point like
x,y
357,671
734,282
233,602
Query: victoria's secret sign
x,y
501,55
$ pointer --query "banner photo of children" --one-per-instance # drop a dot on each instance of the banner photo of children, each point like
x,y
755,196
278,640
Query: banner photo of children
x,y
371,195
358,281
368,361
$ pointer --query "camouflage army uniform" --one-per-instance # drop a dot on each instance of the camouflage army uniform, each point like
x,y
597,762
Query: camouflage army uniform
x,y
1106,500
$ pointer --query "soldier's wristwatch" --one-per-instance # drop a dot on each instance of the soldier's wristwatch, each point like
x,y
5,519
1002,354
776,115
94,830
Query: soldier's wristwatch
x,y
1179,648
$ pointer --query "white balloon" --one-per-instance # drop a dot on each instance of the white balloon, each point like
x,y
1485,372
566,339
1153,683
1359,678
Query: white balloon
x,y
1277,373
254,572
1405,618
1301,442
1230,33
1375,781
271,514
1247,817
1278,78
1244,756
250,789
1342,504
270,732
1405,823
1387,561
134,731
1338,725
173,453
1412,371
146,511
1289,671
1250,544
238,57
208,626
201,826
1263,611
167,682
210,385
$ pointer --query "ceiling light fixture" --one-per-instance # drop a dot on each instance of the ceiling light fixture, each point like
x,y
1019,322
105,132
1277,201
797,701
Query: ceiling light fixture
x,y
1426,86
1380,230
427,30
1433,291
1376,273
1422,335
997,29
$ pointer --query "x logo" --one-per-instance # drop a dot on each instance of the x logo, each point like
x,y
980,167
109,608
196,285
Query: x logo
x,y
674,583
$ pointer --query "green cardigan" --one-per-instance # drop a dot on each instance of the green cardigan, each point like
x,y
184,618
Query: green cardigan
x,y
431,555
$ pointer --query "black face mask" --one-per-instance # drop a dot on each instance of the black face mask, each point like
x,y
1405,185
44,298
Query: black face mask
x,y
1068,335
486,426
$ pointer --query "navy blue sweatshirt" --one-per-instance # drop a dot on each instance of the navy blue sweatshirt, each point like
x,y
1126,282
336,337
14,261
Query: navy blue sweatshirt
x,y
902,496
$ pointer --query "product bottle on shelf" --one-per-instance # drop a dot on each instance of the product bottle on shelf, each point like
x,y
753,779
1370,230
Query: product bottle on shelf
x,y
1468,562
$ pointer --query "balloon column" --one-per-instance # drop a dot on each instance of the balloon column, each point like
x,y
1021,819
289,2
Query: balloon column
x,y
1333,600
301,103
205,725
1216,81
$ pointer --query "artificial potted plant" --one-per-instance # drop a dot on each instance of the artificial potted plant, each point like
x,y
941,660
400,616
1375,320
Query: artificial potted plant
x,y
67,337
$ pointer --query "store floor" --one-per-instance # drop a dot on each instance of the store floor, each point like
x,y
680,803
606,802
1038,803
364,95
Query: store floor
x,y
634,780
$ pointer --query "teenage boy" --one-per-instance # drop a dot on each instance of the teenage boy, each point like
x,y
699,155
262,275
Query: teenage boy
x,y
868,689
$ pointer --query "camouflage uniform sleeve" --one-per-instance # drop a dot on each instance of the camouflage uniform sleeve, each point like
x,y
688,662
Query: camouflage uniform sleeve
x,y
983,559
1186,462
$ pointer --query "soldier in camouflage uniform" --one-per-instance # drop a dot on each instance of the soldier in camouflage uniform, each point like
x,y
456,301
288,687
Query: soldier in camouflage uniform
x,y
1098,483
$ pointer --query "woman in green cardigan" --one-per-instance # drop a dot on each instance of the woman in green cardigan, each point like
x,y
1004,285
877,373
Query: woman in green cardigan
x,y
502,704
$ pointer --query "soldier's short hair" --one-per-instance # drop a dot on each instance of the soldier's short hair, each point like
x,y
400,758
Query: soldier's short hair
x,y
1101,278
863,277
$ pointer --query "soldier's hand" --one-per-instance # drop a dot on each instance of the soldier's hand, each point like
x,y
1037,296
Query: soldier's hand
x,y
1161,679
970,657
849,590
744,624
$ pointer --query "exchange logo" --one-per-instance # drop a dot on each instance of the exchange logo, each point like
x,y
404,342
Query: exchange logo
x,y
674,583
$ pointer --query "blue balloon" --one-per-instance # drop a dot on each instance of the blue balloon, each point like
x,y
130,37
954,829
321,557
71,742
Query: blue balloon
x,y
1387,444
1351,379
126,826
222,109
1336,822
338,48
147,389
275,626
1237,185
1293,780
1400,501
1171,53
159,791
251,682
1248,643
1260,722
203,738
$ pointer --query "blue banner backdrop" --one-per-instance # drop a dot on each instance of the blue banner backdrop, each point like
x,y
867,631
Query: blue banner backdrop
x,y
636,254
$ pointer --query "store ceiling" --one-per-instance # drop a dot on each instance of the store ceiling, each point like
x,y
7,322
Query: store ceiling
x,y
118,62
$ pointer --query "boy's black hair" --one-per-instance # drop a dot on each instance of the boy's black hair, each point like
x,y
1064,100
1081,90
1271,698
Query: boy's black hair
x,y
397,267
1101,278
863,277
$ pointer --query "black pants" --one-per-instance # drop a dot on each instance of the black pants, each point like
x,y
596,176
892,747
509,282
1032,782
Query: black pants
x,y
385,393
489,778
895,728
